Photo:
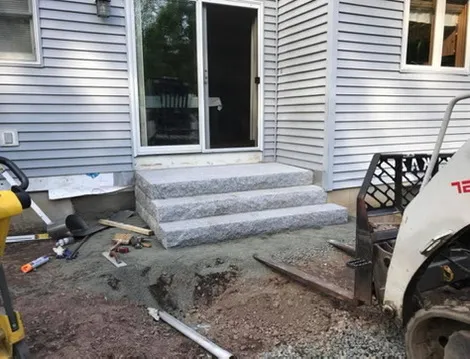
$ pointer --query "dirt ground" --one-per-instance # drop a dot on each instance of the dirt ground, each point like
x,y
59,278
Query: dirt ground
x,y
88,308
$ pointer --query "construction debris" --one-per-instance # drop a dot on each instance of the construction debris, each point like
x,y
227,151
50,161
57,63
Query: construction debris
x,y
62,253
122,238
128,227
114,260
27,238
65,241
28,267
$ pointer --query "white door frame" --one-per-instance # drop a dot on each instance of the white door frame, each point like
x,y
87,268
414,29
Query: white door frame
x,y
138,149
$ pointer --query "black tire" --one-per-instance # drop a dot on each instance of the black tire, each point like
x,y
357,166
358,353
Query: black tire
x,y
21,350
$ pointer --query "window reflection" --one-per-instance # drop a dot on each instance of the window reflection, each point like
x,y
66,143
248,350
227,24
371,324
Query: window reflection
x,y
166,31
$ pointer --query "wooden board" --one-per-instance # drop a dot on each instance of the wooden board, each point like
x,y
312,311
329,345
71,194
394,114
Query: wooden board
x,y
129,227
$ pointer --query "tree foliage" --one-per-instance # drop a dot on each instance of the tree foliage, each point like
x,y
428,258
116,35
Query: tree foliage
x,y
169,40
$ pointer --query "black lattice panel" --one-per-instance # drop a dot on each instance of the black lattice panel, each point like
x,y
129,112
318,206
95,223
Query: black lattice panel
x,y
381,191
393,187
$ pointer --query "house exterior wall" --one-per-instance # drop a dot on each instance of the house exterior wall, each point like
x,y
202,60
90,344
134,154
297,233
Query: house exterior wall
x,y
72,112
301,82
380,108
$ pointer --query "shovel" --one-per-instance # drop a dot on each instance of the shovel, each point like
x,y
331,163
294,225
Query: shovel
x,y
79,228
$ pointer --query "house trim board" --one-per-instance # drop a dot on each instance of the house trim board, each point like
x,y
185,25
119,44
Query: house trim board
x,y
330,98
276,82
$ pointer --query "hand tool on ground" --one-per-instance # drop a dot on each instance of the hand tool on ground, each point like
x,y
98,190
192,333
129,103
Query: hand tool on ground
x,y
79,228
28,238
74,254
12,203
405,266
113,260
29,267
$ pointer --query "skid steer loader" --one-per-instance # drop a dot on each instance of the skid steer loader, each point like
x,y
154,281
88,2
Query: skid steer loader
x,y
412,250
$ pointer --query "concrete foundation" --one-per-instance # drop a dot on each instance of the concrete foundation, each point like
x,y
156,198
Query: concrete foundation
x,y
90,208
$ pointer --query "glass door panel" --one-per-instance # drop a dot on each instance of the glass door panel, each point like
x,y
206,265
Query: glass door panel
x,y
167,71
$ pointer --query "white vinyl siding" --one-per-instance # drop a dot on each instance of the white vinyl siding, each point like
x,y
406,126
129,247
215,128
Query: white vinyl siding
x,y
302,46
379,108
72,113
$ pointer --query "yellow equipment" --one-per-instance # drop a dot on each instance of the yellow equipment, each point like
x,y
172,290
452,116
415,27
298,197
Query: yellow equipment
x,y
12,203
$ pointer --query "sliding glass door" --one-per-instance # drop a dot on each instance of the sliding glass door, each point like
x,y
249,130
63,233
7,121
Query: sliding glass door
x,y
198,75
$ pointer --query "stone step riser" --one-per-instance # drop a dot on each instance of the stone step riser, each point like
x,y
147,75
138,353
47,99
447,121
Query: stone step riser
x,y
218,205
217,229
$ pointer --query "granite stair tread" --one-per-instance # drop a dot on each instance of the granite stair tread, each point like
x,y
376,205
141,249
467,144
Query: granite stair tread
x,y
218,228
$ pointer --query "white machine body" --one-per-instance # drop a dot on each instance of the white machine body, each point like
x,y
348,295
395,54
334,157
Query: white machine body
x,y
441,209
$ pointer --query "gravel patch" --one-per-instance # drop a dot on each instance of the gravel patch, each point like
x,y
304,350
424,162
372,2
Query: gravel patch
x,y
358,341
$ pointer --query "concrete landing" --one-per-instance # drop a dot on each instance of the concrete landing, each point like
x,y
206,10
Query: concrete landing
x,y
191,206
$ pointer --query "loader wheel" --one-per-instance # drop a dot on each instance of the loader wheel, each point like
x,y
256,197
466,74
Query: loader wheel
x,y
21,350
458,345
441,332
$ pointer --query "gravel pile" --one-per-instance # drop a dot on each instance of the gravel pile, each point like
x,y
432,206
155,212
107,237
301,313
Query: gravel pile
x,y
358,341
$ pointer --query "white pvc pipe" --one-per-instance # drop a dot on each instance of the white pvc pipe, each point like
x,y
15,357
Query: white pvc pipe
x,y
440,137
212,348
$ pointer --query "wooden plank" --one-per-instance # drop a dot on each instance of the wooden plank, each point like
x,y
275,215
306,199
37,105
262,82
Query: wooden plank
x,y
127,227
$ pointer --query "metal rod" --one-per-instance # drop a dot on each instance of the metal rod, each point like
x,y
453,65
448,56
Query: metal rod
x,y
440,137
349,250
309,280
212,348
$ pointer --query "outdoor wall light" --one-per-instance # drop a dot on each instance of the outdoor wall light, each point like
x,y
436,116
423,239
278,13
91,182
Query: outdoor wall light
x,y
103,8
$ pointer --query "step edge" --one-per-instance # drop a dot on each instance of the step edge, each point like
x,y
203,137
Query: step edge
x,y
327,207
219,196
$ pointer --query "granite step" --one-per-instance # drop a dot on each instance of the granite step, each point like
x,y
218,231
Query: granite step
x,y
196,181
181,208
220,228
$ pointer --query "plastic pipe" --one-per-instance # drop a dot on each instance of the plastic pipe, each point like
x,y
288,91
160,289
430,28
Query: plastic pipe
x,y
212,348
